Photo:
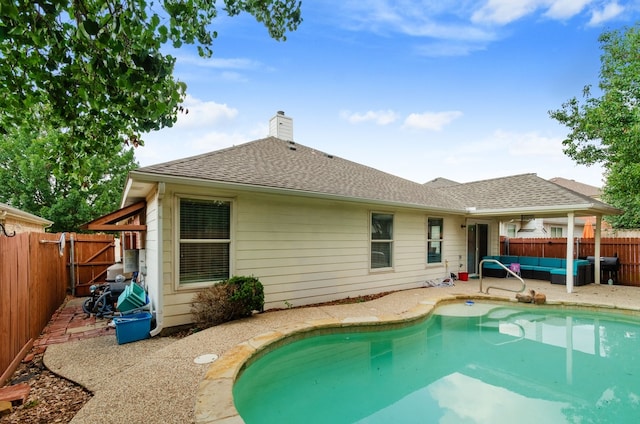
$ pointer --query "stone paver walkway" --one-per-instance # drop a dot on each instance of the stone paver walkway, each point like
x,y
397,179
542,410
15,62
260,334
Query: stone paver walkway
x,y
71,323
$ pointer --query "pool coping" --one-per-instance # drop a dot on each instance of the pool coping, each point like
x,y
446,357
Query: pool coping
x,y
214,399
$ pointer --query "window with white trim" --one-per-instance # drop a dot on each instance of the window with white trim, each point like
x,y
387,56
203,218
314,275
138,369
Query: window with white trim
x,y
511,230
556,231
434,240
381,240
204,240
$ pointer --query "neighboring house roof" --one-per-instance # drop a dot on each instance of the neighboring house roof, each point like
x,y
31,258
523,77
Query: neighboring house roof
x,y
10,211
277,164
272,164
586,189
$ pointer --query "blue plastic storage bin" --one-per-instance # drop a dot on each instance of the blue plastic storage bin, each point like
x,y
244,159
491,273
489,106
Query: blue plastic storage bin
x,y
134,327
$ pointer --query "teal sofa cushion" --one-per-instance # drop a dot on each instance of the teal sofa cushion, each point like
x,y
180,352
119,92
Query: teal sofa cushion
x,y
550,263
508,259
529,260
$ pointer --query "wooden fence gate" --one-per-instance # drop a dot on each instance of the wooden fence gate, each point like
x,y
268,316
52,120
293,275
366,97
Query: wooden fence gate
x,y
88,257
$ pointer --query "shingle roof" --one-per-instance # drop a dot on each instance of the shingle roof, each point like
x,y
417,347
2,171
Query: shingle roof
x,y
440,182
586,189
518,191
272,163
275,163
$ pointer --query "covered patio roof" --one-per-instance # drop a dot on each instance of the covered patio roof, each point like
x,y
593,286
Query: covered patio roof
x,y
110,222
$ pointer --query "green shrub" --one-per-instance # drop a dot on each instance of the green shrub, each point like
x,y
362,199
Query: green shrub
x,y
228,300
247,294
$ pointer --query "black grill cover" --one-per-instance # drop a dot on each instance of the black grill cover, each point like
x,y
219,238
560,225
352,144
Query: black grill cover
x,y
607,263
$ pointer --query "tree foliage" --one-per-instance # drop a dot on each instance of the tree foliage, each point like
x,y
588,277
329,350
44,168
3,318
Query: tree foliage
x,y
99,65
606,129
35,177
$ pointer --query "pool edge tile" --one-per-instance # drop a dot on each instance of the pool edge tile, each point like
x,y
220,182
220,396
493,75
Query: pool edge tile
x,y
214,402
229,364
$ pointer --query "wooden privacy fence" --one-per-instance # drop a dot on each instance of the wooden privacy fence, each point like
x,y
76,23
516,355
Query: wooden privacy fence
x,y
626,249
37,270
32,287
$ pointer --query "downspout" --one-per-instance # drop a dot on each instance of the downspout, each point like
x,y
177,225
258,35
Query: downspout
x,y
160,295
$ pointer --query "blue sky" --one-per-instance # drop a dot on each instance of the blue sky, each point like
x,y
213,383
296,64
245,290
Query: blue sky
x,y
418,89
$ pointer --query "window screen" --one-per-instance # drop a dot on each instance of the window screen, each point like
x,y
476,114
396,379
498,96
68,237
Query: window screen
x,y
205,239
381,240
434,240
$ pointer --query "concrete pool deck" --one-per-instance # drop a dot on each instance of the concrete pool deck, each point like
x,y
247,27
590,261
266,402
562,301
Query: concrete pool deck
x,y
157,380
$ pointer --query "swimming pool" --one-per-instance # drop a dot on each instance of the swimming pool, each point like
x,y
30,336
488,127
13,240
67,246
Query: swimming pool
x,y
482,363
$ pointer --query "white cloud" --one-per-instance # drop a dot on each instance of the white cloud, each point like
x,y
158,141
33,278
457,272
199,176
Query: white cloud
x,y
380,117
434,19
565,9
507,153
610,11
203,114
457,28
528,144
207,126
502,12
434,121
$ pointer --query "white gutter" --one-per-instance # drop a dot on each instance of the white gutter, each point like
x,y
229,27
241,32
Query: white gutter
x,y
127,187
160,293
588,208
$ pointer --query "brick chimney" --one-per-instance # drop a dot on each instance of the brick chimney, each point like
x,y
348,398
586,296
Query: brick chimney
x,y
281,126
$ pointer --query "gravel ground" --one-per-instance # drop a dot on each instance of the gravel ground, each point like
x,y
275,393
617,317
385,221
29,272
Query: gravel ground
x,y
52,399
55,399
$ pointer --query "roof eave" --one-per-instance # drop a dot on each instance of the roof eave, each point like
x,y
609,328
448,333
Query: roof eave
x,y
170,179
6,210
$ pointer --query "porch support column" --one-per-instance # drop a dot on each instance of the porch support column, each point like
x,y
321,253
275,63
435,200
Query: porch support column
x,y
596,253
570,230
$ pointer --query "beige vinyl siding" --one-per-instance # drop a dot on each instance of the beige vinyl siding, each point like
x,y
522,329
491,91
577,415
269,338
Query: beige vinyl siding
x,y
454,239
307,250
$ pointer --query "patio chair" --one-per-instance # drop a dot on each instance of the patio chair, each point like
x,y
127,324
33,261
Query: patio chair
x,y
515,268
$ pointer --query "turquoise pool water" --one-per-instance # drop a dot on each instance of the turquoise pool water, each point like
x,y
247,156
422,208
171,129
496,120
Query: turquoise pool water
x,y
464,364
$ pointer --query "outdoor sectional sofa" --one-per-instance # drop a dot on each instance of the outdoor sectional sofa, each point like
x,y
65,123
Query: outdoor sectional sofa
x,y
553,270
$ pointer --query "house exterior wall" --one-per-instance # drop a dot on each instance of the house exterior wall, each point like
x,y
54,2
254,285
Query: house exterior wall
x,y
541,228
18,225
303,250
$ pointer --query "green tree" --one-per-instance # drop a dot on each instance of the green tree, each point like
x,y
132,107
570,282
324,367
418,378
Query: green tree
x,y
99,65
606,129
34,177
